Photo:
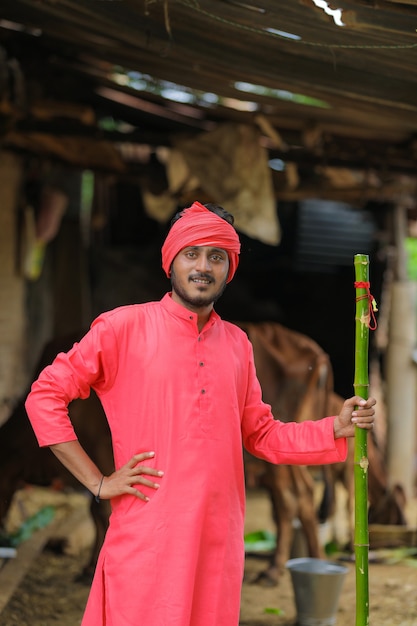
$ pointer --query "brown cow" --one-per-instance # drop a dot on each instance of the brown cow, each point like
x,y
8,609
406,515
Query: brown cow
x,y
386,504
297,381
23,461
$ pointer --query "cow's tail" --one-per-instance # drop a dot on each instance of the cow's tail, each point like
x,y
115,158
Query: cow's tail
x,y
328,501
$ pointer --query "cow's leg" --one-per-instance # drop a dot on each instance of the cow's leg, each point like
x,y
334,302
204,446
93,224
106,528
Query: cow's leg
x,y
307,510
327,505
282,552
100,512
279,484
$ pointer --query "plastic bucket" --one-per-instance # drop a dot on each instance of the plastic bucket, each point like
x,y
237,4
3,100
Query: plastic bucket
x,y
317,584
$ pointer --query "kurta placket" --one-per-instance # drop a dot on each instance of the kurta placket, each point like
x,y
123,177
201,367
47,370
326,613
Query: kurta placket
x,y
194,398
204,387
202,381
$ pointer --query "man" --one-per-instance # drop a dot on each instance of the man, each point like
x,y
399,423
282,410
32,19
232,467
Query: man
x,y
180,393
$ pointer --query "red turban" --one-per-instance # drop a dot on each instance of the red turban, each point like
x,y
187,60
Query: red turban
x,y
198,226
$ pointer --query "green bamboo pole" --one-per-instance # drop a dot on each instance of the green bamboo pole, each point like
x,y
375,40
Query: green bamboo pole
x,y
361,385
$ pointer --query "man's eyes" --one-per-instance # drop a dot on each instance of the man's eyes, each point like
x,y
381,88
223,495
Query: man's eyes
x,y
213,257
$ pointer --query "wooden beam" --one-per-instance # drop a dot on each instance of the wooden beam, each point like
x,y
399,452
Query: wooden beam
x,y
14,570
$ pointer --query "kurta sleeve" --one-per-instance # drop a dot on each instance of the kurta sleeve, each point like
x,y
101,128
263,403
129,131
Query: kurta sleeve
x,y
71,375
306,443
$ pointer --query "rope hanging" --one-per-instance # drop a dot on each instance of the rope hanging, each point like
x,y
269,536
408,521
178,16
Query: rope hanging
x,y
372,323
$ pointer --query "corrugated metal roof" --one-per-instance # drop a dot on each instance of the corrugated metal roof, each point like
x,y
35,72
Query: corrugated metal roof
x,y
330,234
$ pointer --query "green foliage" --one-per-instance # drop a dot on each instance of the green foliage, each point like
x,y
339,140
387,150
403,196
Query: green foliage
x,y
411,249
274,611
39,520
260,541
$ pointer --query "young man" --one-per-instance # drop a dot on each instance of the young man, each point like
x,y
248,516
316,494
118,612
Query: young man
x,y
180,393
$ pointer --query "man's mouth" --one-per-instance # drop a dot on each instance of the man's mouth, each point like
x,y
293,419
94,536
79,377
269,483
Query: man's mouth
x,y
201,280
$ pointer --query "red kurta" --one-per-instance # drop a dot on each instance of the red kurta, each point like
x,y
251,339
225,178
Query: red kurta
x,y
193,398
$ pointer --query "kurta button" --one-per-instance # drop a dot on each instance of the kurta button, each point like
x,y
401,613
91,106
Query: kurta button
x,y
203,391
191,317
201,363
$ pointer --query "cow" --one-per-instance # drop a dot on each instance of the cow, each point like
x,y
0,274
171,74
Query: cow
x,y
296,377
22,461
297,381
386,503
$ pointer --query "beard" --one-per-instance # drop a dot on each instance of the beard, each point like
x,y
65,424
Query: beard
x,y
199,300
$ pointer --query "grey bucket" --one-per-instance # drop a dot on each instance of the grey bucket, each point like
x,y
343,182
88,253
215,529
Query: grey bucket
x,y
317,584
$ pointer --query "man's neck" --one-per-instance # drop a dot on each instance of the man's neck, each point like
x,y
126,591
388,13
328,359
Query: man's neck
x,y
202,319
203,312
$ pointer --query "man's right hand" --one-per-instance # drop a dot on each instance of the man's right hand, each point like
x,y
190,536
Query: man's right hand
x,y
126,479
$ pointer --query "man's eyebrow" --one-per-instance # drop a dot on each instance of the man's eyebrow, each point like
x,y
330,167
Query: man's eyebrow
x,y
222,250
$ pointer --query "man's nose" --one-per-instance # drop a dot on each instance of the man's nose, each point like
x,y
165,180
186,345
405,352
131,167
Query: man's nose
x,y
203,263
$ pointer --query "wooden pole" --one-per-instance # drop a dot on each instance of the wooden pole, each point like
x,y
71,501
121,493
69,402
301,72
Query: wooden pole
x,y
401,388
363,321
401,368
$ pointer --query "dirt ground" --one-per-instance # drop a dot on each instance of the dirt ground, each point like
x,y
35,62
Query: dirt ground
x,y
49,596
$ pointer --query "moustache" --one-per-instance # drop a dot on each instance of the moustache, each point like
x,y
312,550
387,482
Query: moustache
x,y
201,276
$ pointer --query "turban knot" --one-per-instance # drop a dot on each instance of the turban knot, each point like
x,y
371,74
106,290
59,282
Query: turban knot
x,y
198,226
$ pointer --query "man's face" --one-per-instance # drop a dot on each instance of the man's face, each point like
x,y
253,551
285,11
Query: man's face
x,y
198,275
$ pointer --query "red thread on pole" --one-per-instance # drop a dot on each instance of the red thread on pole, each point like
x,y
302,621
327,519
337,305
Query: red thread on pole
x,y
372,324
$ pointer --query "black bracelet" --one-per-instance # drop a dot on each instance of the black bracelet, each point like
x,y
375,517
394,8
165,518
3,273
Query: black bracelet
x,y
97,497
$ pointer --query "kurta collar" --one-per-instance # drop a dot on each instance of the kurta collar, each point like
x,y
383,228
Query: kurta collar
x,y
181,311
